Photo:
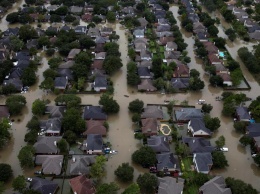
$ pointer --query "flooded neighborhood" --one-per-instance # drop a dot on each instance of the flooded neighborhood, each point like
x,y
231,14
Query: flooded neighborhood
x,y
161,76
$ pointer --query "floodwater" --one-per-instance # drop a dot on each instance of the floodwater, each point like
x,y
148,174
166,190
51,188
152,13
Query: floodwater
x,y
121,128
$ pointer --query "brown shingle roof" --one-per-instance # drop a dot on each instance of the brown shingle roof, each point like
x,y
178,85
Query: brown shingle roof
x,y
95,127
82,185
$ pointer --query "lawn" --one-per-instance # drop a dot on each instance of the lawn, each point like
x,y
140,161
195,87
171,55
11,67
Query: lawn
x,y
161,49
191,189
187,162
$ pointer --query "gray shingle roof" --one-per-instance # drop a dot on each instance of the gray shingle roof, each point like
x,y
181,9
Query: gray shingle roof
x,y
198,144
159,143
242,112
81,165
216,185
152,112
185,114
253,129
167,160
169,185
93,142
43,186
203,161
94,112
46,145
198,124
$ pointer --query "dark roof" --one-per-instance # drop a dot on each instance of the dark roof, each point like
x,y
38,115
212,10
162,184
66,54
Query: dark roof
x,y
152,112
159,143
203,161
55,111
60,82
150,125
198,144
65,72
144,71
82,185
80,164
198,124
18,84
185,114
46,145
95,127
43,186
11,31
242,112
180,83
15,73
22,64
4,112
253,129
51,164
23,55
93,142
216,185
167,160
170,185
52,125
94,112
100,81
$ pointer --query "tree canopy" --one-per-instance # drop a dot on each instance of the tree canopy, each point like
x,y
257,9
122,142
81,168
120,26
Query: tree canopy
x,y
19,184
70,100
109,104
6,172
147,183
97,169
112,64
38,107
107,188
125,172
132,189
136,106
15,104
219,159
26,155
239,187
4,132
212,123
145,156
73,121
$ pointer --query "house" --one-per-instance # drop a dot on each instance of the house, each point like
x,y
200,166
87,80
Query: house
x,y
22,55
163,40
87,17
15,73
76,10
89,8
139,47
170,185
144,73
51,164
146,55
52,126
172,54
171,46
21,64
60,83
163,21
214,60
253,130
255,35
198,129
95,127
105,31
33,43
99,48
141,40
55,111
145,64
146,85
67,64
101,40
100,83
211,48
43,186
97,64
93,144
168,162
143,22
220,69
52,8
186,114
80,164
4,112
82,185
67,73
202,37
46,145
52,29
202,162
100,56
180,83
72,54
159,144
128,10
16,82
80,29
163,28
226,78
216,185
181,71
152,111
94,112
242,114
138,33
198,27
150,126
93,32
65,28
11,32
198,144
257,143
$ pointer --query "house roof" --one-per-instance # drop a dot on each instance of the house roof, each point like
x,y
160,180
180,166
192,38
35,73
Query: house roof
x,y
94,112
101,40
65,72
172,45
185,114
93,142
67,64
51,164
95,127
198,144
180,83
52,125
80,164
99,48
210,47
55,111
167,160
163,40
18,84
145,63
150,125
144,72
164,34
172,54
163,28
159,143
152,112
138,32
46,145
25,55
22,64
76,9
242,112
60,82
198,124
4,111
73,53
140,46
65,28
203,161
101,55
43,186
100,81
143,22
15,73
170,185
253,129
93,32
216,185
146,84
181,70
141,40
82,185
255,35
97,64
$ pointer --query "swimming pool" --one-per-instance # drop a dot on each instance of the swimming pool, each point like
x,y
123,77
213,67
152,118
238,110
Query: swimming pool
x,y
221,54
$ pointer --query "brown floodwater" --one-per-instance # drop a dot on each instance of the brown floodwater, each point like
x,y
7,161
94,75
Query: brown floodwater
x,y
121,128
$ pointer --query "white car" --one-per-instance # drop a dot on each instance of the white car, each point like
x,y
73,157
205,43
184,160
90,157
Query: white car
x,y
224,149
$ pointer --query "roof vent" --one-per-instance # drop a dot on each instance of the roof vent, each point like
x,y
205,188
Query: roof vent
x,y
73,159
193,141
55,143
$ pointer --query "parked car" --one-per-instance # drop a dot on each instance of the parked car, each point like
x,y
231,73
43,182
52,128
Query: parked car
x,y
153,169
137,131
223,149
29,179
38,172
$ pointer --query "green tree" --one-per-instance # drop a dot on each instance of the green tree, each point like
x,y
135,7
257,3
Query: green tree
x,y
9,89
43,41
206,108
38,107
194,73
34,123
31,136
107,188
220,142
30,2
97,169
200,179
240,126
5,135
220,42
231,34
246,140
140,7
236,77
109,104
16,44
26,155
2,188
212,123
70,137
15,104
112,49
136,118
182,149
216,80
47,84
145,156
50,73
54,62
62,10
111,16
12,17
159,83
63,146
196,83
86,42
28,77
112,64
6,172
239,187
131,53
27,32
213,30
136,106
19,184
147,183
125,172
219,160
73,121
132,189
69,100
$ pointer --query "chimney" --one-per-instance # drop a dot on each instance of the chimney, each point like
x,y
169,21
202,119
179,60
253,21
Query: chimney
x,y
193,141
55,143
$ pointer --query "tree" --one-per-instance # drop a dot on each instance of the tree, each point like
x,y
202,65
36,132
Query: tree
x,y
124,172
219,159
54,62
97,169
211,123
236,77
112,49
246,140
26,156
38,107
200,179
6,172
86,42
50,73
69,18
12,17
62,10
19,184
50,52
73,121
240,126
145,156
196,83
31,136
136,118
27,32
132,189
5,135
63,146
213,30
239,187
216,80
220,42
43,41
47,84
140,7
136,106
2,188
220,142
159,83
80,71
15,104
34,123
206,108
69,100
28,77
70,137
109,104
111,16
194,73
231,34
182,149
30,2
16,44
55,18
147,183
112,64
157,67
107,188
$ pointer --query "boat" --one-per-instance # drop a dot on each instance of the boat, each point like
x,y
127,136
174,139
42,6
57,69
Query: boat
x,y
126,96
